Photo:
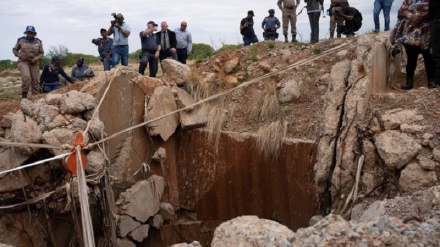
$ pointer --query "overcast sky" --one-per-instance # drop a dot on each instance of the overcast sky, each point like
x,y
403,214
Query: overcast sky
x,y
75,23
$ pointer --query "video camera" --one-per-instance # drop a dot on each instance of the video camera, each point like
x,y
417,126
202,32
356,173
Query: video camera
x,y
115,19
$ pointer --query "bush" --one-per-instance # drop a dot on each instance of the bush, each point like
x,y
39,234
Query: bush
x,y
135,55
200,52
70,59
7,64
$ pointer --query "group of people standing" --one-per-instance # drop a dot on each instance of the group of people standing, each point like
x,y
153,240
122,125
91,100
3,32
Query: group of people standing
x,y
156,46
347,20
29,50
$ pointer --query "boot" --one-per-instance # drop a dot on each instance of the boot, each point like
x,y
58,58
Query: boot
x,y
294,38
24,95
409,84
285,38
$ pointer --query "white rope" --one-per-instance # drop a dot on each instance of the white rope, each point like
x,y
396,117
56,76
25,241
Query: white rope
x,y
35,163
102,100
245,84
87,227
31,145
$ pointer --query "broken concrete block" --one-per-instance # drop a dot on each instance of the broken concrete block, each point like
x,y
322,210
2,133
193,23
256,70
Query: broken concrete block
x,y
75,102
176,72
183,98
231,65
124,242
6,121
167,211
288,91
414,177
11,158
140,233
53,99
142,200
396,148
25,130
161,103
394,118
160,155
95,161
126,224
58,137
148,84
194,119
96,129
156,221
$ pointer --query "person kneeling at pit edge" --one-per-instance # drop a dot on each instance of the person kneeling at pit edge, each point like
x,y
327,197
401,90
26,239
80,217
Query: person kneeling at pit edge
x,y
82,71
49,79
352,20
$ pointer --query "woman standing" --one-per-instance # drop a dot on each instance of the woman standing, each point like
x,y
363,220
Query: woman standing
x,y
314,8
412,31
29,51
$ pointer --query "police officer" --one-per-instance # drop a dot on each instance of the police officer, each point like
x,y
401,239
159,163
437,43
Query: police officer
x,y
150,49
29,51
270,25
288,7
104,44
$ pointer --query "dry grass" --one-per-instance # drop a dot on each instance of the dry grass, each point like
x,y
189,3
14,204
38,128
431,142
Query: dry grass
x,y
270,139
216,119
268,106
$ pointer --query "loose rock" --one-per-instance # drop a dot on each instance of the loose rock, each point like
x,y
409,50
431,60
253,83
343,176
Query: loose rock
x,y
414,177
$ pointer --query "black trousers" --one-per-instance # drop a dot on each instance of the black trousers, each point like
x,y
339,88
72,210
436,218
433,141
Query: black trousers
x,y
434,25
412,53
314,26
147,57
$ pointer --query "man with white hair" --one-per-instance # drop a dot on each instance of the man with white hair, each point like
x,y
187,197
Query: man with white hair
x,y
168,42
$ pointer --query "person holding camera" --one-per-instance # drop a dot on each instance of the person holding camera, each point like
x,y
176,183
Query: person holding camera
x,y
121,31
335,19
168,42
352,20
105,49
270,25
29,51
150,49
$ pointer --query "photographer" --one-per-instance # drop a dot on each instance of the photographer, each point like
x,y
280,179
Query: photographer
x,y
352,20
120,31
150,49
105,49
270,25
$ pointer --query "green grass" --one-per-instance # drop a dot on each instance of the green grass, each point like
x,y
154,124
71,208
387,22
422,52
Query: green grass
x,y
270,44
10,92
254,53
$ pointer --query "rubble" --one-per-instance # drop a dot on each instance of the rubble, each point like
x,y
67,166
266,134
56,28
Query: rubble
x,y
140,233
176,72
288,91
141,201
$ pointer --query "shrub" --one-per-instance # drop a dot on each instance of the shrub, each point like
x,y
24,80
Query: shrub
x,y
200,52
228,48
7,64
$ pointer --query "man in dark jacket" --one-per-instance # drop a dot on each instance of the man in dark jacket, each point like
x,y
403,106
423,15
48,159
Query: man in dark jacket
x,y
247,29
168,42
434,25
150,49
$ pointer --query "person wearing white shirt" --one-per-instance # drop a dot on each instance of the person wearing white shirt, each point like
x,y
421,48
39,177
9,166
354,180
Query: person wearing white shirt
x,y
184,42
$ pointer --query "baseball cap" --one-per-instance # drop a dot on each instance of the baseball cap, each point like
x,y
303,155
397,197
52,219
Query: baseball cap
x,y
80,59
30,29
271,11
55,58
152,22
251,12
